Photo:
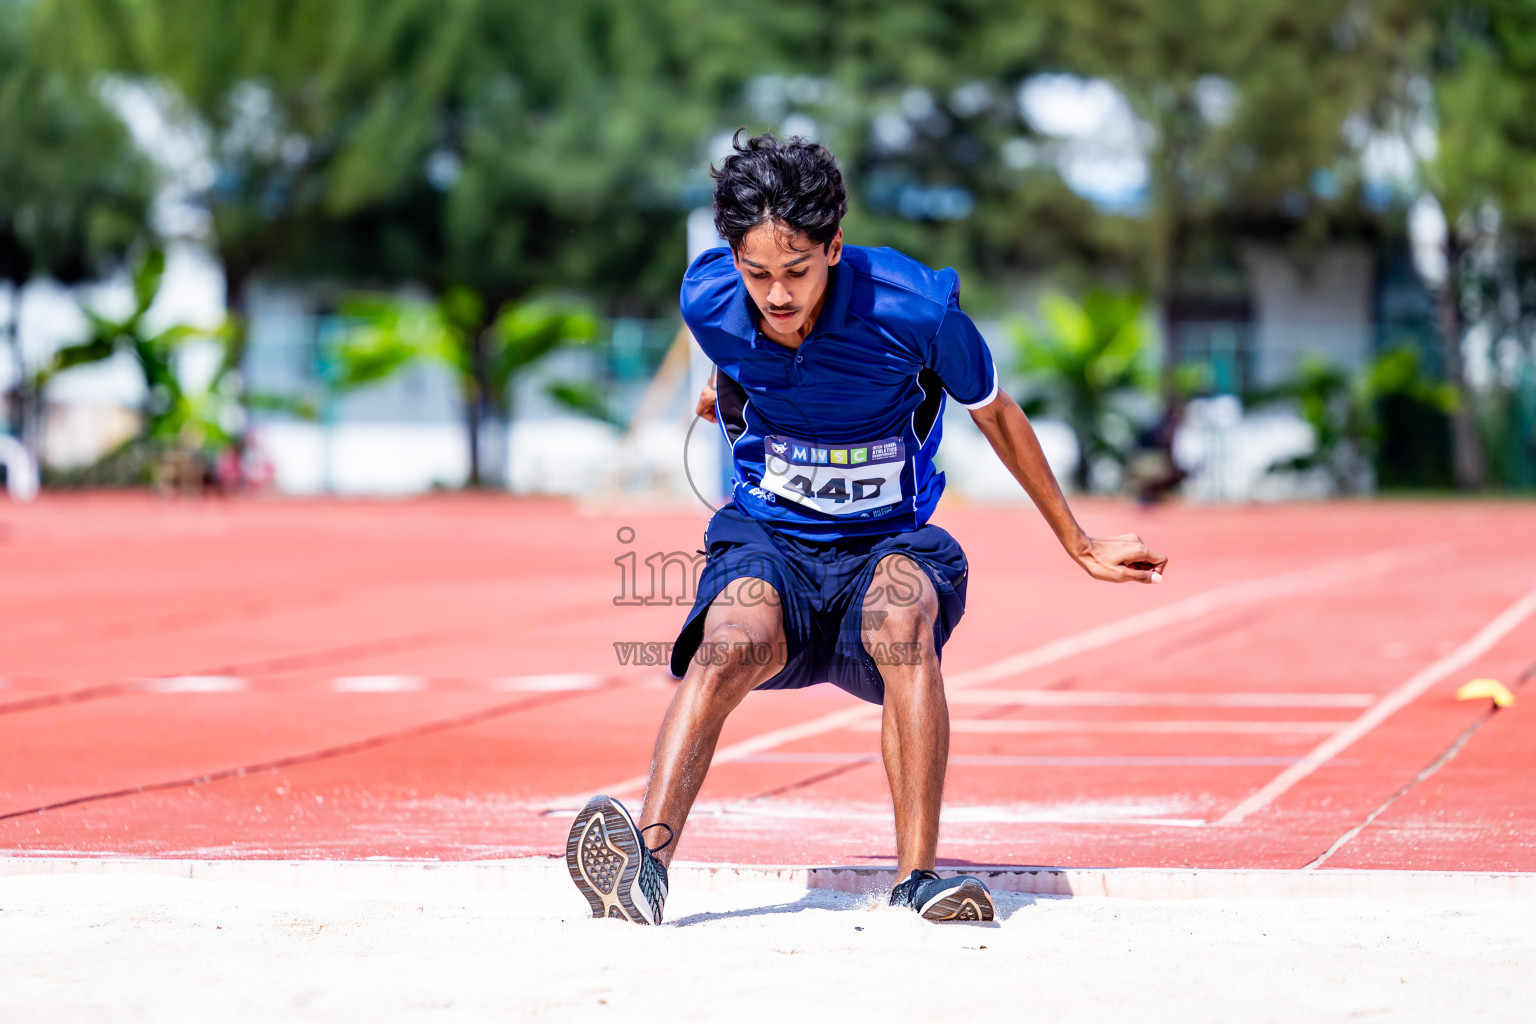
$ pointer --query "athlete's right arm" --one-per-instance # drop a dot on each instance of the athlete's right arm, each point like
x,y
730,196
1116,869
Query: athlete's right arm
x,y
1115,559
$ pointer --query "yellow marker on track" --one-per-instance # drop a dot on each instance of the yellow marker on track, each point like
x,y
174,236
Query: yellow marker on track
x,y
1478,688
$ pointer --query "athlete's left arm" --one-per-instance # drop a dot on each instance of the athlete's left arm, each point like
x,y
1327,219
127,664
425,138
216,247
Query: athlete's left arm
x,y
1121,559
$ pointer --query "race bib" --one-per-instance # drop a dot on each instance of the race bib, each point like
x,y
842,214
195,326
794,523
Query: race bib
x,y
841,480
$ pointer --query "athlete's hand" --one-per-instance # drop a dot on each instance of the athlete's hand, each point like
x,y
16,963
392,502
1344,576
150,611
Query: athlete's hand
x,y
706,406
1122,559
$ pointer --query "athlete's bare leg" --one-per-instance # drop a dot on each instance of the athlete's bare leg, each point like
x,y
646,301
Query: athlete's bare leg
x,y
900,609
746,643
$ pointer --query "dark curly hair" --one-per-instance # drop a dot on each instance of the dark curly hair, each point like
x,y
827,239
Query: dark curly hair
x,y
795,183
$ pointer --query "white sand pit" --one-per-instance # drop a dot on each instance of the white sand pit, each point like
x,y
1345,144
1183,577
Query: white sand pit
x,y
132,946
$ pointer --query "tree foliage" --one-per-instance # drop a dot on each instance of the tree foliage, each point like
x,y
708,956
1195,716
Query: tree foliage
x,y
74,191
1484,109
1084,359
1386,426
172,415
494,152
1256,113
485,357
499,147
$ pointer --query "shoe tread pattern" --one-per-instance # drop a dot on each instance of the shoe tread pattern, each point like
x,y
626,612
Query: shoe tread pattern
x,y
967,902
603,857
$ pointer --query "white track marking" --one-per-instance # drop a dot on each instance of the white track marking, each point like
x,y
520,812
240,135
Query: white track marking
x,y
1130,811
195,684
1047,725
757,744
1046,760
544,684
580,681
1408,691
1268,588
1120,699
378,684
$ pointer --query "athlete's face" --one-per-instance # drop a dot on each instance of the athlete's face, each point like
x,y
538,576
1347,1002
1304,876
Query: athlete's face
x,y
786,275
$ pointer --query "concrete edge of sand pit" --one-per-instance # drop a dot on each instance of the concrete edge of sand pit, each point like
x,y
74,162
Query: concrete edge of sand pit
x,y
1413,887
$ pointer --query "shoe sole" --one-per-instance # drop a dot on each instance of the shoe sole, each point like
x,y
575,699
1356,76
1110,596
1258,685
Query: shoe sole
x,y
603,855
967,902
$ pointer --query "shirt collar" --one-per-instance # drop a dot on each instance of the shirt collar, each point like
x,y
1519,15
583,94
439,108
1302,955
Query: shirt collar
x,y
741,316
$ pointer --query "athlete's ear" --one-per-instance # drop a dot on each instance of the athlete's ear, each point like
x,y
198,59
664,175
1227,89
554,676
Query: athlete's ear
x,y
835,249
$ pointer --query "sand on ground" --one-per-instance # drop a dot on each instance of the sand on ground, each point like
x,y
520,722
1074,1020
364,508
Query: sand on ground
x,y
143,947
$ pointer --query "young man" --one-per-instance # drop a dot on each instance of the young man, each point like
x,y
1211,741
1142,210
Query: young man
x,y
832,365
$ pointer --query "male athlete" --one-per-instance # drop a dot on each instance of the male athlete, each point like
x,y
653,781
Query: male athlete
x,y
832,365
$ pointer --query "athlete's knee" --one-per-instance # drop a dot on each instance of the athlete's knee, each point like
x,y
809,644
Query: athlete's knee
x,y
734,645
899,613
735,656
904,636
744,627
904,622
900,603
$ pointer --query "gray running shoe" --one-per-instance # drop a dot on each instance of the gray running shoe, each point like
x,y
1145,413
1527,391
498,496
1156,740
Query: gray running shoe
x,y
961,898
611,865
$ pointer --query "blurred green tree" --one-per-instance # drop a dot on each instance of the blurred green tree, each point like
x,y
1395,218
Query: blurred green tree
x,y
1249,110
388,332
920,102
1413,413
487,149
1084,361
1338,409
74,191
1386,425
1482,108
508,149
174,419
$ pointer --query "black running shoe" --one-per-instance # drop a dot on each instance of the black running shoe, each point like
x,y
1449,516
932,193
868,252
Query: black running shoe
x,y
611,865
961,898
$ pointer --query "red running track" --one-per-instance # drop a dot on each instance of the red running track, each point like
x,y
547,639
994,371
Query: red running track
x,y
439,679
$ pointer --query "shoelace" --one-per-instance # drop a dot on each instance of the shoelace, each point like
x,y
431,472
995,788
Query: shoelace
x,y
671,835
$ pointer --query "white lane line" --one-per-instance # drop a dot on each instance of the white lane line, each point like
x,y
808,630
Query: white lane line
x,y
544,684
581,681
1267,588
378,684
1120,699
1150,812
1408,691
756,745
195,684
1048,725
1047,760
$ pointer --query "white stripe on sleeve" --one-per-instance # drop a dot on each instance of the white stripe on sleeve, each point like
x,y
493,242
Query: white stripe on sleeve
x,y
990,394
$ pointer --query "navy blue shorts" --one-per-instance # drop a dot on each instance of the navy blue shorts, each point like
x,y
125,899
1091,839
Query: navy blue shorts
x,y
822,586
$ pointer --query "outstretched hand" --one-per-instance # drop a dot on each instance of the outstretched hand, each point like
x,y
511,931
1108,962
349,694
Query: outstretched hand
x,y
1122,559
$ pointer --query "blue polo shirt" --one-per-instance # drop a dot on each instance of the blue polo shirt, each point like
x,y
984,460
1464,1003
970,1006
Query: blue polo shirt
x,y
836,438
